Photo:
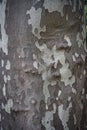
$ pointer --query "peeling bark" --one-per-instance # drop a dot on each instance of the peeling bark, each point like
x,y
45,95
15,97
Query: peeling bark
x,y
43,68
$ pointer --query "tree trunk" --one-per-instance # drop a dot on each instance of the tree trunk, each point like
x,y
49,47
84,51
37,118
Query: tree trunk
x,y
42,65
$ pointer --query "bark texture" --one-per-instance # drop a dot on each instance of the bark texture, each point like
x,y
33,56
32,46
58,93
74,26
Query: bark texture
x,y
43,65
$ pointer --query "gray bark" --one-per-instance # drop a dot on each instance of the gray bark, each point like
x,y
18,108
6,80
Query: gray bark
x,y
43,65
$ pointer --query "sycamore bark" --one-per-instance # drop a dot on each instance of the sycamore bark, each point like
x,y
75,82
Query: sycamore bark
x,y
43,65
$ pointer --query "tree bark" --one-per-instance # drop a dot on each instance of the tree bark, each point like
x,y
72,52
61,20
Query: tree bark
x,y
43,65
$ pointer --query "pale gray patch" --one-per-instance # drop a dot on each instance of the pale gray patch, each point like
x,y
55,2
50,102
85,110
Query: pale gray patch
x,y
8,65
75,120
64,115
69,98
19,57
74,5
4,40
83,57
47,107
85,47
67,17
57,98
0,117
55,5
74,58
46,121
35,18
7,78
66,75
34,56
68,40
84,36
1,128
76,54
53,56
35,64
74,91
84,72
59,93
20,51
45,90
81,105
4,90
81,77
47,53
86,96
83,91
46,56
79,40
8,106
80,4
2,62
83,32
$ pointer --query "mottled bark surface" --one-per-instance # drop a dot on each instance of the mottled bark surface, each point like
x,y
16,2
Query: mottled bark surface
x,y
43,64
